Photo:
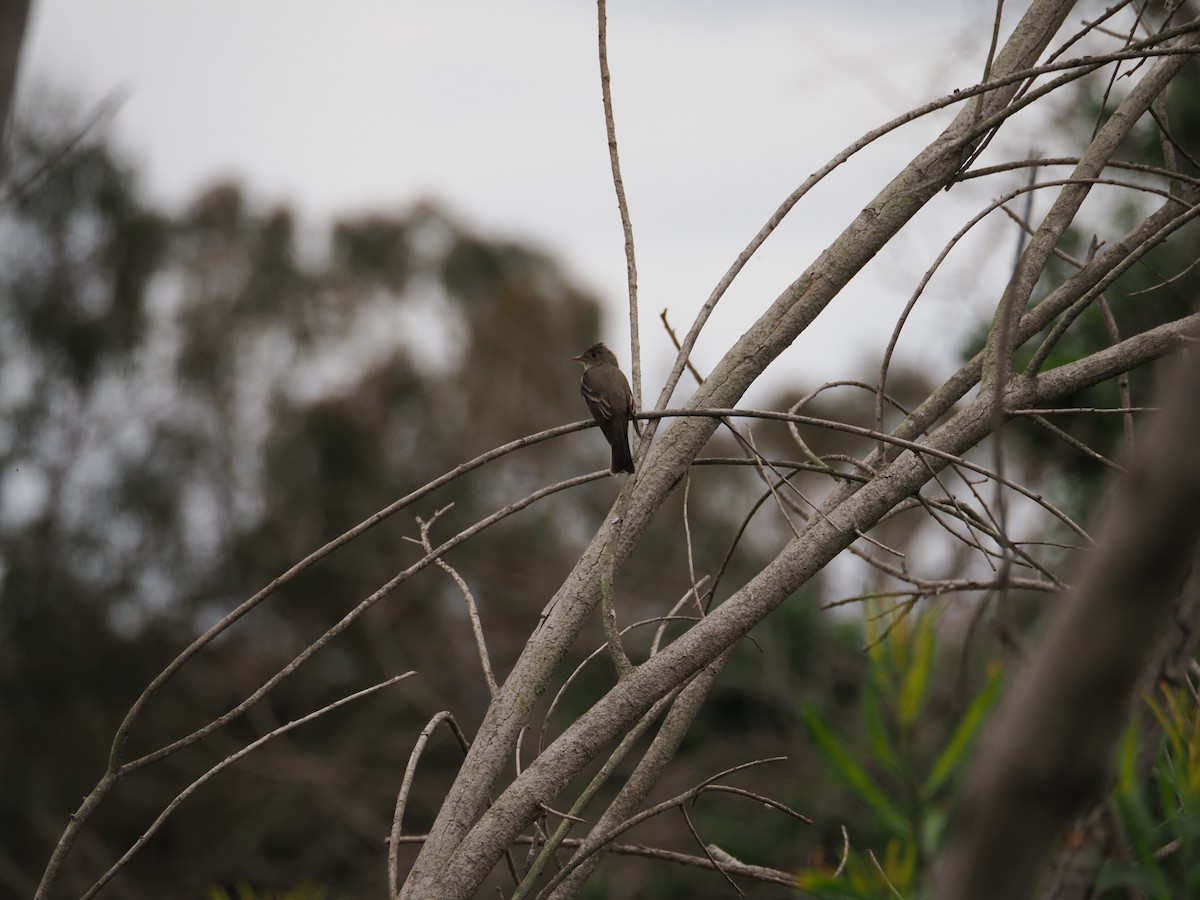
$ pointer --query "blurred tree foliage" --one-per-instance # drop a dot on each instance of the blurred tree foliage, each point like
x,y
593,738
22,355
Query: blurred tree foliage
x,y
190,402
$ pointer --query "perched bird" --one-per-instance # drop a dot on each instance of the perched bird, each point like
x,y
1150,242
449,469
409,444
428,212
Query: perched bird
x,y
608,397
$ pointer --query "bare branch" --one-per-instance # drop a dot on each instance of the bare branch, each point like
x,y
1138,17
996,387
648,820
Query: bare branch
x,y
1076,443
758,873
696,835
472,612
608,613
677,801
610,127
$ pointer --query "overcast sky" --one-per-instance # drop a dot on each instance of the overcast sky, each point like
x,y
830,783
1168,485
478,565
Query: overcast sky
x,y
493,109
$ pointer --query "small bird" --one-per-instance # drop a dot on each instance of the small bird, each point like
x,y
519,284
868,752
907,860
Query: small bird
x,y
608,397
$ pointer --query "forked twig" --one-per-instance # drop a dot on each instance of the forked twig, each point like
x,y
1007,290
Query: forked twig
x,y
472,611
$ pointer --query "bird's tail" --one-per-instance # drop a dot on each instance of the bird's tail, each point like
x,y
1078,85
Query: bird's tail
x,y
622,459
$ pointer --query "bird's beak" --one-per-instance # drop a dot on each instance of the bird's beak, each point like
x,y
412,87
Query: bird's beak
x,y
578,358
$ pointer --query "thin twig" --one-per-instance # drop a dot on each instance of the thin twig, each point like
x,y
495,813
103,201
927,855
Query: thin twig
x,y
1045,161
759,873
687,540
1077,444
841,866
733,545
887,438
1068,410
883,875
938,588
608,611
678,800
672,617
707,852
614,157
545,807
351,616
472,611
1114,337
105,111
225,763
517,749
599,650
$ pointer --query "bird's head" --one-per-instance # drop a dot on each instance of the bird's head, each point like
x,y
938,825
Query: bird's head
x,y
596,355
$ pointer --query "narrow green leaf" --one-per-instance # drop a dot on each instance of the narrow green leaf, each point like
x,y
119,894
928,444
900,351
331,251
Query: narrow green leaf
x,y
1127,760
875,720
918,673
900,864
852,774
1130,803
954,755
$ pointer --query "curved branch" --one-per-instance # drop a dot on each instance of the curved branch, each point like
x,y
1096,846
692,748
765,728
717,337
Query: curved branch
x,y
410,771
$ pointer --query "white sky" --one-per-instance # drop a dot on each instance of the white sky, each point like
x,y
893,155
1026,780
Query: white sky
x,y
493,109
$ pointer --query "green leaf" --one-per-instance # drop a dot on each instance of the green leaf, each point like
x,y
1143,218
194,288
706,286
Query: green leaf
x,y
1138,820
828,888
954,755
852,774
1115,874
900,864
918,673
878,738
1127,760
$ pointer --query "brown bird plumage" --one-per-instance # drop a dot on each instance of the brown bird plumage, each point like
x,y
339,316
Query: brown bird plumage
x,y
607,393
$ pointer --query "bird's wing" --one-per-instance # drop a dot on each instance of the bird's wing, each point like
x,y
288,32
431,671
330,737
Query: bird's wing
x,y
601,409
